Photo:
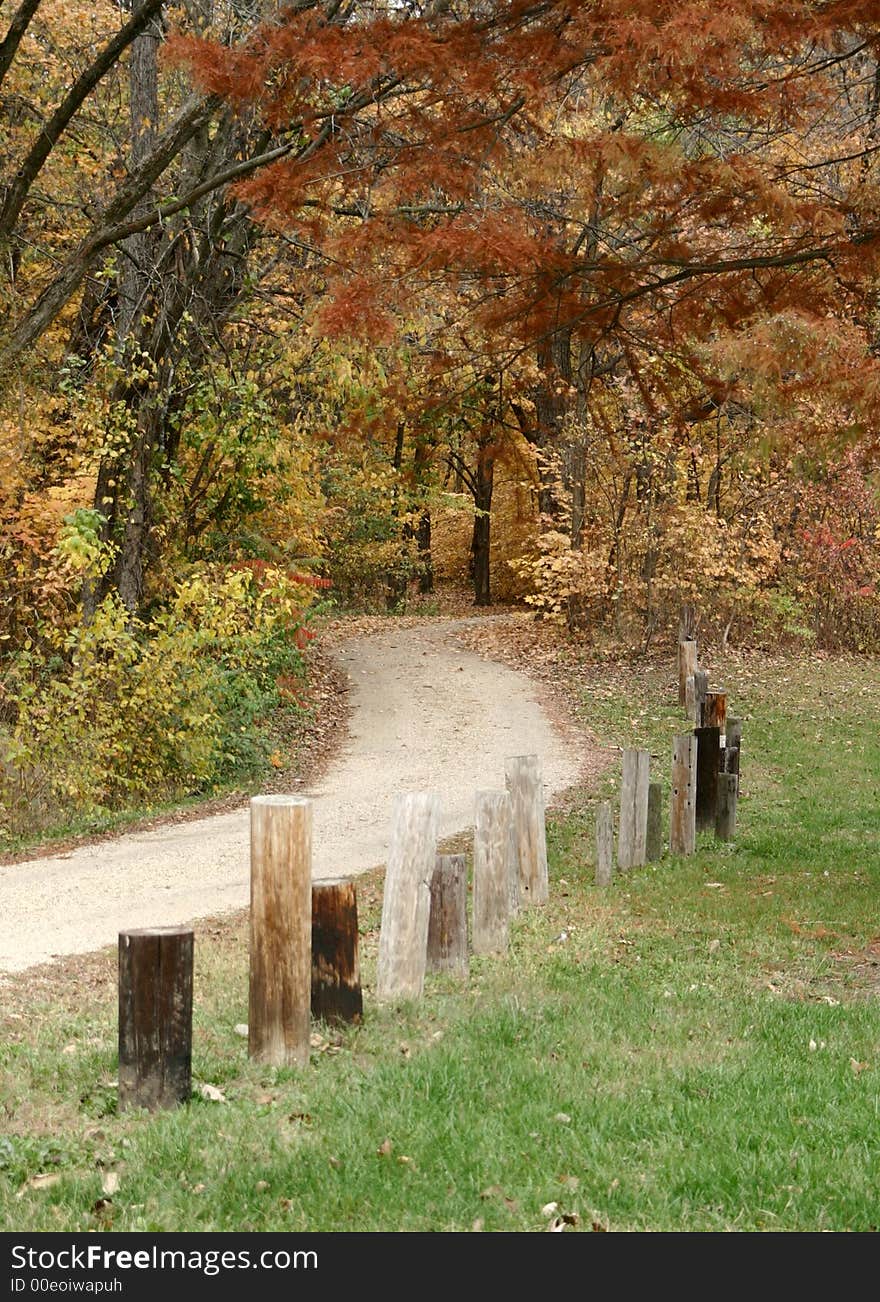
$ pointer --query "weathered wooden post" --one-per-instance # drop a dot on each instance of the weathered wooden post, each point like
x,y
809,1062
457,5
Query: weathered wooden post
x,y
633,827
155,1017
336,976
512,865
682,828
491,886
715,710
406,900
725,814
447,949
701,689
654,832
604,844
281,930
687,664
526,790
733,746
708,752
690,704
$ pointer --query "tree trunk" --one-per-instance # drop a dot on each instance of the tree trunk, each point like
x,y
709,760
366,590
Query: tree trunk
x,y
480,543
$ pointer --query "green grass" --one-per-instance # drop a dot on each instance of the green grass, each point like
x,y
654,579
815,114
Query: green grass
x,y
653,1070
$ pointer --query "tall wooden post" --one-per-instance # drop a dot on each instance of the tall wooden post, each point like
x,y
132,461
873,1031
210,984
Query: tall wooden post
x,y
690,699
725,815
633,828
512,865
708,751
604,844
526,790
447,949
155,1017
682,829
491,887
406,900
654,834
336,976
687,664
281,930
733,746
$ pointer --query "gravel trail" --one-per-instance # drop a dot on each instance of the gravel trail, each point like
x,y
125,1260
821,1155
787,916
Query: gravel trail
x,y
426,714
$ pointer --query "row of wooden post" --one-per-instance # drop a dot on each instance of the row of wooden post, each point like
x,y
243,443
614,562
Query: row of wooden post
x,y
704,786
304,937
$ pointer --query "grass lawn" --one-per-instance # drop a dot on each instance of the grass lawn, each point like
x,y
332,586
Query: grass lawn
x,y
696,1048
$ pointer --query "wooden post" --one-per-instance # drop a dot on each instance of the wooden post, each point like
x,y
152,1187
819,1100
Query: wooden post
x,y
633,828
687,621
447,949
682,830
733,747
701,689
155,1017
336,977
654,833
708,749
689,699
687,663
281,930
526,790
725,814
715,710
512,867
406,900
491,888
604,844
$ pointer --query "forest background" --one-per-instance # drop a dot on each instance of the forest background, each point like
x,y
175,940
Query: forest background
x,y
573,302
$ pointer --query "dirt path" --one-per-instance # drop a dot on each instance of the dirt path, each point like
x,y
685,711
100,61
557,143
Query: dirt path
x,y
426,714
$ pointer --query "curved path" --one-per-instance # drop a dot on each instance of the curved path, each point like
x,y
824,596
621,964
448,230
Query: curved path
x,y
426,714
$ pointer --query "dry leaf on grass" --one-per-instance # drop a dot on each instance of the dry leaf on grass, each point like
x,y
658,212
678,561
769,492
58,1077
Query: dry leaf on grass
x,y
42,1180
110,1183
385,1148
211,1093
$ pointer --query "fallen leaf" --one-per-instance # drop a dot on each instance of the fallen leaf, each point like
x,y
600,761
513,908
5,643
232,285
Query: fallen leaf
x,y
598,1228
478,1225
714,946
211,1093
69,1048
563,1118
261,1186
570,1181
385,1148
241,1028
43,1180
335,1163
110,1183
556,1226
857,1066
305,1118
549,1208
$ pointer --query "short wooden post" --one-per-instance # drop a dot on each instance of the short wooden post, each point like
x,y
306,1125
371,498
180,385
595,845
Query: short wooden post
x,y
725,814
447,949
155,1017
683,805
336,976
687,663
491,889
604,844
733,746
701,689
406,900
708,750
689,699
281,930
715,710
633,829
526,790
654,833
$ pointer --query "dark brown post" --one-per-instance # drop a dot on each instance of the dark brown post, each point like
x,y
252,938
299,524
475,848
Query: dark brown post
x,y
155,1017
336,976
654,836
708,749
682,837
725,815
604,844
715,710
280,984
687,663
447,927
